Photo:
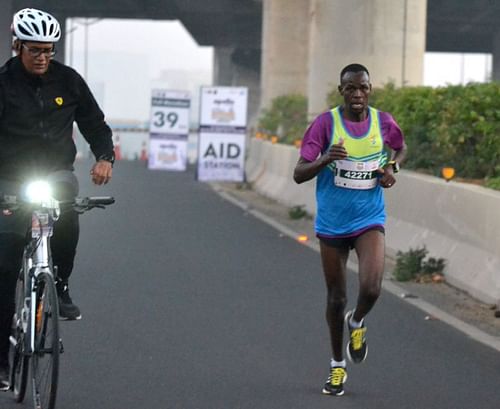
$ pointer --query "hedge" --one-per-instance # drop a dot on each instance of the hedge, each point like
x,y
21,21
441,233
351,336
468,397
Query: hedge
x,y
286,119
457,126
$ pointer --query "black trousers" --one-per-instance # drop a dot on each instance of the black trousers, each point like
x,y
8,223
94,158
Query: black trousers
x,y
13,230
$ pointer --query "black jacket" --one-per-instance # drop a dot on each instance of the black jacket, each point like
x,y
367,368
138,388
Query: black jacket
x,y
36,120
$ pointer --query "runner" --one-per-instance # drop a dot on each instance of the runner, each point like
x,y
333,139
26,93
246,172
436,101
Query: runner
x,y
344,149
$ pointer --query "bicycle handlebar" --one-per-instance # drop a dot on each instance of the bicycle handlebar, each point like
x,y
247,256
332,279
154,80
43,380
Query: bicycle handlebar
x,y
79,203
94,201
82,204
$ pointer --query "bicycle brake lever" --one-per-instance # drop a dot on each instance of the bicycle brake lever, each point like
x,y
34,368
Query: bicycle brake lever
x,y
79,210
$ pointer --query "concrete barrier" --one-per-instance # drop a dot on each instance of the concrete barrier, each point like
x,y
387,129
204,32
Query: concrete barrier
x,y
456,221
274,177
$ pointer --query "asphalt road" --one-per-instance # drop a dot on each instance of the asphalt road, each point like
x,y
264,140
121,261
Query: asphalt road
x,y
189,302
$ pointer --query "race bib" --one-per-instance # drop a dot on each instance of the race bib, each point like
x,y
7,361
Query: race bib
x,y
356,175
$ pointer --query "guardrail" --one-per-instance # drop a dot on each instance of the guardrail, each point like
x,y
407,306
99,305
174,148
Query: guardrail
x,y
456,221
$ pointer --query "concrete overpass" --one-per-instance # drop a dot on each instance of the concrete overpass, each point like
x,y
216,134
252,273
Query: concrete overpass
x,y
277,47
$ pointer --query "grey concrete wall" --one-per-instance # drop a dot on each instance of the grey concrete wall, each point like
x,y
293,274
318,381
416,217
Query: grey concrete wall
x,y
455,221
383,35
285,31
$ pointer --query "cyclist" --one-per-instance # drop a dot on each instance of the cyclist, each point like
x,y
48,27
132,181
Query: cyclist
x,y
40,99
344,149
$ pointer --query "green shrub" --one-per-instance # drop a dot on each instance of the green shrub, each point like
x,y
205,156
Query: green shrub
x,y
412,264
297,212
433,266
493,183
456,126
286,118
409,264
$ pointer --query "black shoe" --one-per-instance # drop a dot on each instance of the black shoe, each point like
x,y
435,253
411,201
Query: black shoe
x,y
4,376
335,383
67,310
357,349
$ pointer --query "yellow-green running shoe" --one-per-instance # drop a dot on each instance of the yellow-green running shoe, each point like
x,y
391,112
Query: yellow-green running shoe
x,y
357,349
335,383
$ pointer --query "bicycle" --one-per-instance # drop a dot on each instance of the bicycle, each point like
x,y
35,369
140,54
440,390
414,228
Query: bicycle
x,y
35,325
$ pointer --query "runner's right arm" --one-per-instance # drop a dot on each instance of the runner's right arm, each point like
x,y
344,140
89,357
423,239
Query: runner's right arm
x,y
314,151
305,170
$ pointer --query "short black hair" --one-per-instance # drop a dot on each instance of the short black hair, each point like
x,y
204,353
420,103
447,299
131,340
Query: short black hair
x,y
353,68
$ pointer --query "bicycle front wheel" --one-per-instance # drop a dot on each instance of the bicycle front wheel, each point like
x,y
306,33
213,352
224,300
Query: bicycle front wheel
x,y
45,359
19,363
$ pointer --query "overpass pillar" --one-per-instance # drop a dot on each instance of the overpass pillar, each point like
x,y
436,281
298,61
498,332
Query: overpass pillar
x,y
495,72
223,67
285,32
5,33
61,44
239,68
387,36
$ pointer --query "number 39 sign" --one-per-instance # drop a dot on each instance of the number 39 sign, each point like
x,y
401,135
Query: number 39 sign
x,y
170,112
168,130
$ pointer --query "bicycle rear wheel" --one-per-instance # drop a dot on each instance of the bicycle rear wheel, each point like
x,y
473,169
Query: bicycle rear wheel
x,y
45,359
19,363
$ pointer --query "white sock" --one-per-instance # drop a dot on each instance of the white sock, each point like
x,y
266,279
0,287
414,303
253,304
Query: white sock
x,y
355,324
334,363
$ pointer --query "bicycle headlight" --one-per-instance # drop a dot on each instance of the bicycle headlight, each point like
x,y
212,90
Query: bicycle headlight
x,y
38,192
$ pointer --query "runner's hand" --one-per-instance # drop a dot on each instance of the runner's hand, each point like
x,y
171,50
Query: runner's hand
x,y
336,152
101,172
387,179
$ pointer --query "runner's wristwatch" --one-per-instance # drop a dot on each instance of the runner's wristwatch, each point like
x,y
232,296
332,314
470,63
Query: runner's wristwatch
x,y
395,165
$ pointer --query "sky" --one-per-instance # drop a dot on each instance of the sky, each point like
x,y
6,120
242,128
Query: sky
x,y
456,68
127,58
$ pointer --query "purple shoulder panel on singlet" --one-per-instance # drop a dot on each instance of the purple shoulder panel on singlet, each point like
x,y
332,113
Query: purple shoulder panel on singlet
x,y
317,136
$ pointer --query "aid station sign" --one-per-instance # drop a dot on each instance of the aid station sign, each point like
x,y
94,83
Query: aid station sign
x,y
221,144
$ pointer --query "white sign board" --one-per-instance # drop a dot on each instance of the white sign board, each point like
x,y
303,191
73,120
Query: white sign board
x,y
221,157
221,145
167,154
169,120
224,106
169,129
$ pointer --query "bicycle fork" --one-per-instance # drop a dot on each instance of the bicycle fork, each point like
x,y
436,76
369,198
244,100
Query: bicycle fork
x,y
31,315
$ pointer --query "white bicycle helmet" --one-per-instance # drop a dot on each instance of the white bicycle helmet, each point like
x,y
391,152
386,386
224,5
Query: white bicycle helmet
x,y
35,25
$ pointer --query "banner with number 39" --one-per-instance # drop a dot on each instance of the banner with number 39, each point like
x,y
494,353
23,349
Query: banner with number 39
x,y
170,120
169,129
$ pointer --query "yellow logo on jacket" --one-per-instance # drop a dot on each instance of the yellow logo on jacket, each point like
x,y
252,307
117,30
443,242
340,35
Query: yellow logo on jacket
x,y
59,100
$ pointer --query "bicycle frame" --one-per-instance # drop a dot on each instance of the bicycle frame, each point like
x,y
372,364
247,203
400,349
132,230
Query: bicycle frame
x,y
36,259
36,299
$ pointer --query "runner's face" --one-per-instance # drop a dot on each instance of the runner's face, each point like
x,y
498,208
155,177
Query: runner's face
x,y
355,88
36,57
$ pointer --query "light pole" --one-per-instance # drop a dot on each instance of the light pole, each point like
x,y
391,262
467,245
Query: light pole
x,y
86,22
